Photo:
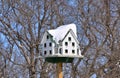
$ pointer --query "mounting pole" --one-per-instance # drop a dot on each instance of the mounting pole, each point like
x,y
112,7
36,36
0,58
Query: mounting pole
x,y
59,70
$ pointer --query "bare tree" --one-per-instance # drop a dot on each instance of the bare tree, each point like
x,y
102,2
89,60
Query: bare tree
x,y
22,24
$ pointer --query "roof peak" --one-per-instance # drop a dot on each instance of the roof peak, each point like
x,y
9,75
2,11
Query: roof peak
x,y
60,32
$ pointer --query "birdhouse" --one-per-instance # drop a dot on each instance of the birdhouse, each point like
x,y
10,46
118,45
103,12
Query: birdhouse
x,y
61,44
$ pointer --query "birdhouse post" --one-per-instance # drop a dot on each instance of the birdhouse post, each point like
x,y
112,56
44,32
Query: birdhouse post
x,y
59,70
60,45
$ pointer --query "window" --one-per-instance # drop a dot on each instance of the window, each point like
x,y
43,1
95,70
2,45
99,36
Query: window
x,y
44,44
69,38
73,51
66,51
45,52
66,43
78,51
50,44
73,44
50,51
60,50
47,37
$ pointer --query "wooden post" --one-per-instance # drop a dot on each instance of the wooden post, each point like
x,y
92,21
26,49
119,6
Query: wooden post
x,y
59,70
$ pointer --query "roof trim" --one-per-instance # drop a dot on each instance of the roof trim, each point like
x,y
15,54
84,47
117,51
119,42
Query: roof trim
x,y
51,38
44,36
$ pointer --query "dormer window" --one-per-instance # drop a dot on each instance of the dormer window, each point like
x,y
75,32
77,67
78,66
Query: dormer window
x,y
50,44
69,38
73,44
44,44
47,37
66,43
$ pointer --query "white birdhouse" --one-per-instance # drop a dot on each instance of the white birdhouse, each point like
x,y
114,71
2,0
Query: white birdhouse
x,y
61,44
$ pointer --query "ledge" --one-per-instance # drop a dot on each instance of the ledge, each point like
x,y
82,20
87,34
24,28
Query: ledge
x,y
61,58
59,55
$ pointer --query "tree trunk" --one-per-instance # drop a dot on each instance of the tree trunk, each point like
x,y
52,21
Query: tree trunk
x,y
32,66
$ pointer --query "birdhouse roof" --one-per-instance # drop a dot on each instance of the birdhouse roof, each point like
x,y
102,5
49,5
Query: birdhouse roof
x,y
60,32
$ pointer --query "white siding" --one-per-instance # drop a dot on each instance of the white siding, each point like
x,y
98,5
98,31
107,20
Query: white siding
x,y
47,48
69,47
55,50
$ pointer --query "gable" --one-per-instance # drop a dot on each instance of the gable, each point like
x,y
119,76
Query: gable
x,y
44,39
73,35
